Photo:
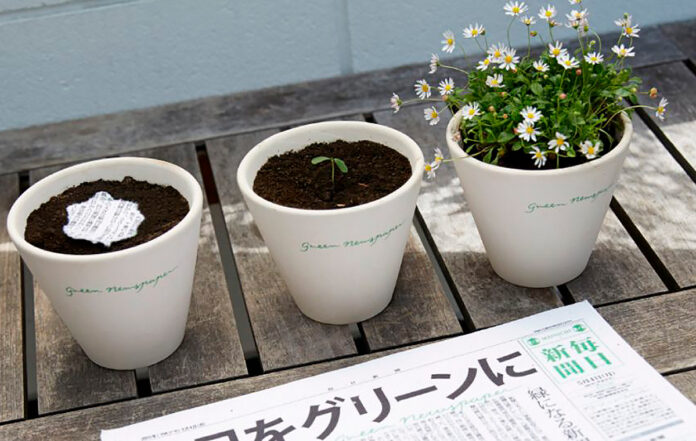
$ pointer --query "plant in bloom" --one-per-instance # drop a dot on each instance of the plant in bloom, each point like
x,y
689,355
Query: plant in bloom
x,y
555,110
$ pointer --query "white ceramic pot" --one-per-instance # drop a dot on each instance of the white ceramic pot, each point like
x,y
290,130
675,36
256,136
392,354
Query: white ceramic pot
x,y
340,265
127,308
539,226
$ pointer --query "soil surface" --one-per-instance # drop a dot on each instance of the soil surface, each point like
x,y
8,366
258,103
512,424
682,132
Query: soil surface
x,y
162,206
374,171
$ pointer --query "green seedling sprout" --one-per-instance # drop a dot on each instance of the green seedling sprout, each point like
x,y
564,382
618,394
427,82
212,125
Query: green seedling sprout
x,y
335,162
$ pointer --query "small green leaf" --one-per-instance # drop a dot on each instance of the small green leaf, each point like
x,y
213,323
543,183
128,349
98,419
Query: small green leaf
x,y
537,89
488,156
570,153
516,146
504,137
319,159
341,165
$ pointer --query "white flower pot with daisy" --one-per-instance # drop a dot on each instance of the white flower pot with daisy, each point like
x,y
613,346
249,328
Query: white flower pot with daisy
x,y
538,226
340,265
538,142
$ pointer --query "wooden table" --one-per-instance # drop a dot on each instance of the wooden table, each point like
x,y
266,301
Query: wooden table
x,y
244,332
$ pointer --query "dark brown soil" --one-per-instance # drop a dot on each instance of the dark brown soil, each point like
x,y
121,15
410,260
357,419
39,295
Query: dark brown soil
x,y
162,206
374,171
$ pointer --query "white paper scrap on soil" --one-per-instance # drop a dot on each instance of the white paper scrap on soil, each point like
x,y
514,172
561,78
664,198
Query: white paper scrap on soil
x,y
561,375
103,219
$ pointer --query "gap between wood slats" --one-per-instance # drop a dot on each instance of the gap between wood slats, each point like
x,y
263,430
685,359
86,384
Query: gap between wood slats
x,y
31,404
643,245
234,287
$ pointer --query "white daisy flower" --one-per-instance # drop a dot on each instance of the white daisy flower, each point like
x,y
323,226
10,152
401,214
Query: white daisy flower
x,y
568,62
540,66
434,63
439,157
446,87
528,20
538,156
483,64
495,52
515,8
526,131
395,102
631,31
469,111
594,58
531,114
448,42
590,149
422,89
660,111
574,2
432,115
557,50
622,51
558,143
473,31
547,13
430,169
624,21
494,81
509,60
576,15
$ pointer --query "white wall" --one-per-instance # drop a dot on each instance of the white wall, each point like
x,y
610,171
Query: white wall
x,y
66,59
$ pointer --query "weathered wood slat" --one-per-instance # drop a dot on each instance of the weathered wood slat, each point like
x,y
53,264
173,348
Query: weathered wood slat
x,y
678,84
685,382
66,378
86,424
661,329
488,298
187,121
211,349
682,34
617,269
284,336
11,356
660,198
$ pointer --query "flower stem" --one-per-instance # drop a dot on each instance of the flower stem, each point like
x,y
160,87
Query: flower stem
x,y
508,31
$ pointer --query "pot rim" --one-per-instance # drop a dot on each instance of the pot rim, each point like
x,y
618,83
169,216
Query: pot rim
x,y
412,147
195,208
455,148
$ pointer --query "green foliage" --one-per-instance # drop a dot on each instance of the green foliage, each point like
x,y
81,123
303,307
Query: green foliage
x,y
335,163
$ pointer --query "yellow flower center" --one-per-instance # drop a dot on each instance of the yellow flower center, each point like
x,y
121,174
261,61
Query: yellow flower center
x,y
494,82
474,32
472,112
629,30
567,62
548,13
540,67
516,9
530,115
556,51
508,58
623,51
660,109
425,87
530,129
559,141
590,150
433,114
538,155
486,62
448,87
497,54
428,167
450,41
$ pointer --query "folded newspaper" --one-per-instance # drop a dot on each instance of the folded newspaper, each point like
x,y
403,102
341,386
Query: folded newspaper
x,y
559,375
